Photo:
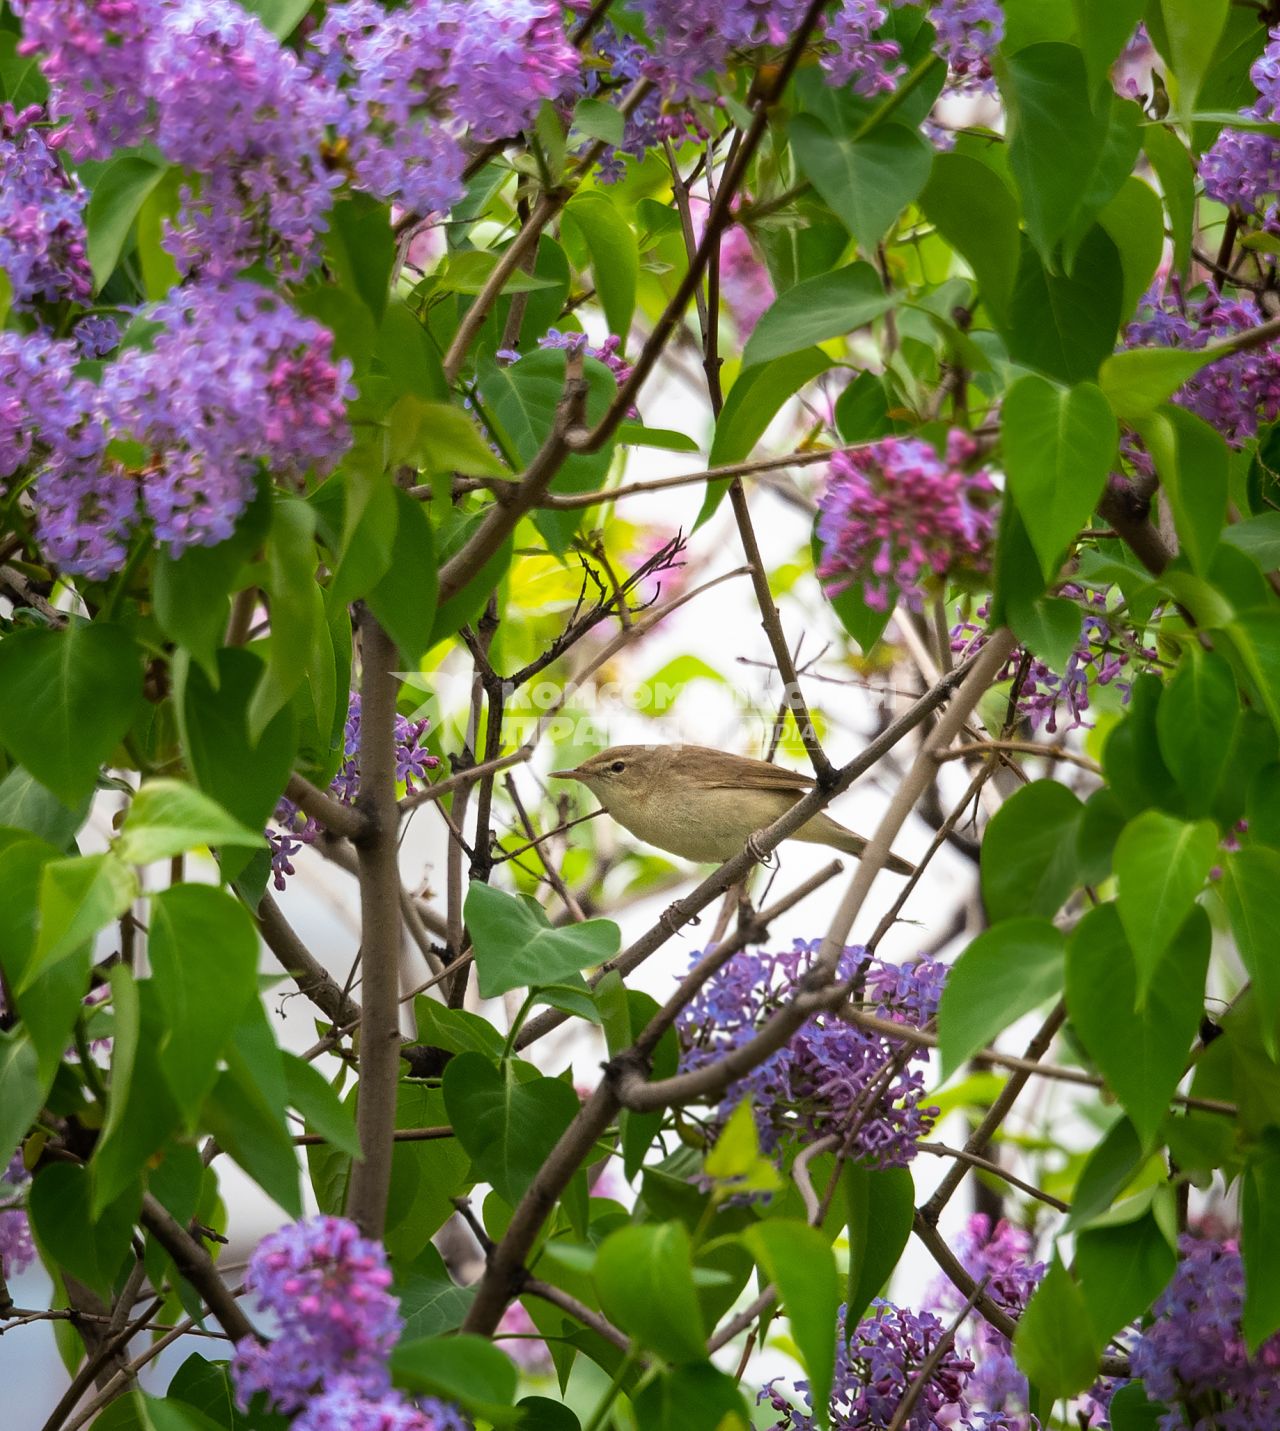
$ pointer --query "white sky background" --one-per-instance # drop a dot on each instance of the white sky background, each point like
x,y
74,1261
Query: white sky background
x,y
722,627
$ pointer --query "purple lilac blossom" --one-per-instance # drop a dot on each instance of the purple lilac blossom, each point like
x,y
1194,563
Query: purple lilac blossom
x,y
898,517
831,1077
43,406
42,233
867,65
607,352
1002,1255
1193,1356
94,55
420,80
294,828
329,1289
875,1368
1232,394
236,106
17,1251
345,1406
1243,166
1102,657
96,336
968,32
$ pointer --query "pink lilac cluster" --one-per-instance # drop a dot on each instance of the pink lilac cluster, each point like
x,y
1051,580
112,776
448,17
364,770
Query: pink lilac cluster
x,y
329,1290
1102,657
294,828
746,289
42,233
1243,166
1232,394
17,1252
832,1077
233,377
523,1342
1193,1356
418,81
1003,1256
875,1368
898,518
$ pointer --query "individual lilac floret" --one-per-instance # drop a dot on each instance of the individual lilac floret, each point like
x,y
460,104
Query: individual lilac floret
x,y
96,336
346,1407
832,1077
1232,394
897,517
238,108
1003,1256
968,32
295,829
1193,1357
875,1368
42,233
94,55
1102,657
338,1321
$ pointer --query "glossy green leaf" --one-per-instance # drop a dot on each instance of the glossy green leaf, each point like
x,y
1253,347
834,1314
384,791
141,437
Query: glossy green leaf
x,y
1260,1242
66,699
879,1207
90,1247
324,1111
1065,326
1141,1054
517,947
1251,888
1256,638
204,961
828,306
1175,169
1259,538
1130,1410
118,194
975,211
360,247
1054,1345
1047,92
1162,865
1191,460
1059,446
1109,1168
507,1125
697,1394
297,609
1122,1270
1196,724
405,600
1104,28
431,1302
615,256
281,17
464,1369
867,182
169,817
21,1089
438,438
1028,852
1193,28
1049,628
798,1260
644,1276
736,1162
77,898
25,804
1134,222
1008,970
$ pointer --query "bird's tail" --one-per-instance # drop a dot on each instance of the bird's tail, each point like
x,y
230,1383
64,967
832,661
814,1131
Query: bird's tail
x,y
826,831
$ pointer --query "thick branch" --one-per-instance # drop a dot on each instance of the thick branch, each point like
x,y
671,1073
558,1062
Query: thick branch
x,y
337,818
380,933
311,977
195,1264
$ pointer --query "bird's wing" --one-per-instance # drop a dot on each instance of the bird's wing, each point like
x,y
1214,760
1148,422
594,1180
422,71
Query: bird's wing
x,y
772,777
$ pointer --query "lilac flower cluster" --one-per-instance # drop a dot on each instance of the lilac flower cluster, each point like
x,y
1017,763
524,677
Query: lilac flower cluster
x,y
968,32
875,1368
234,376
1102,657
42,234
296,829
1003,1255
1243,166
43,406
1232,394
832,1077
897,517
17,1252
609,352
1193,1356
418,80
746,289
869,66
338,1321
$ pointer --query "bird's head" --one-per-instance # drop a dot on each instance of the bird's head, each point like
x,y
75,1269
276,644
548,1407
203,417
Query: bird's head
x,y
620,775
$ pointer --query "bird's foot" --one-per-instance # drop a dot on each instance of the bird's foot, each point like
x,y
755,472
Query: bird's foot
x,y
758,852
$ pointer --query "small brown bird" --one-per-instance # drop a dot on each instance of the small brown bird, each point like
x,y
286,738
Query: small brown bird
x,y
704,804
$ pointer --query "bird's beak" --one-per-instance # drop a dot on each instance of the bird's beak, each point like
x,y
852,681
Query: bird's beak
x,y
565,775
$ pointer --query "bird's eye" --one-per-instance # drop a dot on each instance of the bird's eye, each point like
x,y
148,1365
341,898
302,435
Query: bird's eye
x,y
617,767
